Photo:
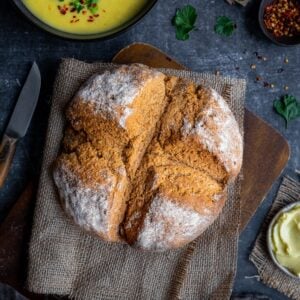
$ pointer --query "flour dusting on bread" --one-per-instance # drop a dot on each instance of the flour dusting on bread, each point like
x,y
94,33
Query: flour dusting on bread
x,y
114,91
168,224
87,206
218,132
147,158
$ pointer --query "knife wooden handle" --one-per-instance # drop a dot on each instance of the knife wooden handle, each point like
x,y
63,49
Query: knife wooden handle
x,y
7,151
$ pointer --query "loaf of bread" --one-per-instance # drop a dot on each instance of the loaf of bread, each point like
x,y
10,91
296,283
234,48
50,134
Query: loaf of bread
x,y
147,158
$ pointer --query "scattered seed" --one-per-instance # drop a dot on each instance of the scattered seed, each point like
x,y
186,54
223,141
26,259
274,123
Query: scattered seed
x,y
253,67
286,60
286,87
272,85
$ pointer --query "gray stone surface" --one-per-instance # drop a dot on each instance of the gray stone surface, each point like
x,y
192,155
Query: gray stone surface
x,y
21,43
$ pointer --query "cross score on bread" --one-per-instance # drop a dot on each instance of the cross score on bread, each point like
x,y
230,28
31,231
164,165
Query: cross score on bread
x,y
147,158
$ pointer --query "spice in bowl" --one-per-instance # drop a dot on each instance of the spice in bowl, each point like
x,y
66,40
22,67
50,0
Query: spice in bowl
x,y
285,239
85,17
282,18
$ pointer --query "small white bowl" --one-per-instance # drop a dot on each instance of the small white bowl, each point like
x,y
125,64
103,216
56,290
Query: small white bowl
x,y
270,243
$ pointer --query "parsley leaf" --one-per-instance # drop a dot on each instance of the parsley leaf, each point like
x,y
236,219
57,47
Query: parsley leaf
x,y
288,107
224,26
77,5
184,22
92,6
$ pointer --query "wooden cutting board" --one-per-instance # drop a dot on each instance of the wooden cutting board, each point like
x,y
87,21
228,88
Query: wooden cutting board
x,y
266,154
266,151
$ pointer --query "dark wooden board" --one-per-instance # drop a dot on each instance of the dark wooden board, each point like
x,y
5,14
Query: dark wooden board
x,y
266,151
266,154
14,237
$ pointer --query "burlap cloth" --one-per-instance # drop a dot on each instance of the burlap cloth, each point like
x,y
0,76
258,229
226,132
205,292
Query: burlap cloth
x,y
269,273
64,260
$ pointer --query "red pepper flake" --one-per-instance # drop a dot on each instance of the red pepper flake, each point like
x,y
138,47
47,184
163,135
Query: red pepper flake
x,y
96,16
62,9
104,10
84,12
282,18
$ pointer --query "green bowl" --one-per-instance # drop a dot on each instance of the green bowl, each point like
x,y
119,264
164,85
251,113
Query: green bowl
x,y
102,35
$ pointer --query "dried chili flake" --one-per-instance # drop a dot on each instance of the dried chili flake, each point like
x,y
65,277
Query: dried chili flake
x,y
62,9
282,18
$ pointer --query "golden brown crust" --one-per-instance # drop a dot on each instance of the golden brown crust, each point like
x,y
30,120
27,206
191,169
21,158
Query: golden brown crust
x,y
149,155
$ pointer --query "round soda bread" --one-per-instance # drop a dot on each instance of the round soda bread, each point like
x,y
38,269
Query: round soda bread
x,y
147,158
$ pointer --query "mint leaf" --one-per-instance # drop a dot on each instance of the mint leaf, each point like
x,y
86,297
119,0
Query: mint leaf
x,y
288,107
224,26
184,22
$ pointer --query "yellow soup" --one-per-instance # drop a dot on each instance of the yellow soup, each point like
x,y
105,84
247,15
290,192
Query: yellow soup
x,y
85,16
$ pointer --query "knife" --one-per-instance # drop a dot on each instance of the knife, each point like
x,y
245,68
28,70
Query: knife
x,y
20,120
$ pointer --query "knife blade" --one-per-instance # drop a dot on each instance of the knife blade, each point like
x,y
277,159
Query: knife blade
x,y
20,120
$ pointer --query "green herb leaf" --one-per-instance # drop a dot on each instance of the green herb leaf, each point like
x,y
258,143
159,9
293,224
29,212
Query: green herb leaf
x,y
184,22
77,5
92,6
224,26
288,107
